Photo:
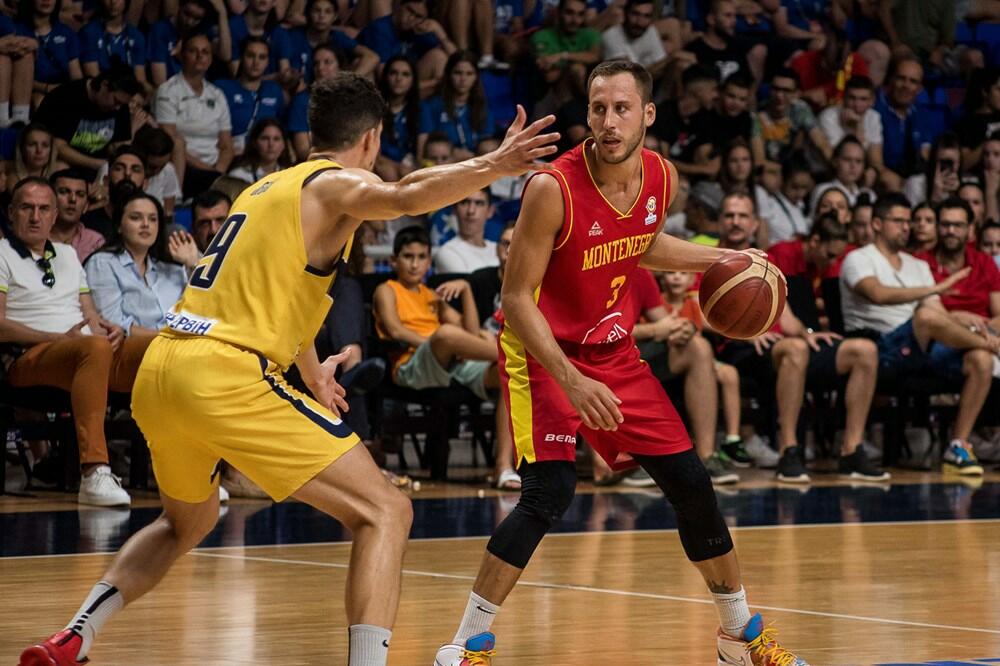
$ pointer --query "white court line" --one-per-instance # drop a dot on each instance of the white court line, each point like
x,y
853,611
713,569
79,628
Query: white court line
x,y
611,591
746,528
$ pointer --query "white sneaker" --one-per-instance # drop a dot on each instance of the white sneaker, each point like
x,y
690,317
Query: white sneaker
x,y
763,455
102,488
223,495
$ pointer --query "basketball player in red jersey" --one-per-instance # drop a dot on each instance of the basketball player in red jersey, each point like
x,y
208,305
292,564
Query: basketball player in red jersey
x,y
569,364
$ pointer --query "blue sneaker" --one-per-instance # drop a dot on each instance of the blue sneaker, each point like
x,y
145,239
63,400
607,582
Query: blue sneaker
x,y
477,651
959,459
757,646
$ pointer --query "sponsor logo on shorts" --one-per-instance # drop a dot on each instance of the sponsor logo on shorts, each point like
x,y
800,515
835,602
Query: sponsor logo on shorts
x,y
185,322
566,439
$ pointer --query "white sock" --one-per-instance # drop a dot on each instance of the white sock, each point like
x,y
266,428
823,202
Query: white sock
x,y
103,601
20,112
734,614
4,114
369,645
478,617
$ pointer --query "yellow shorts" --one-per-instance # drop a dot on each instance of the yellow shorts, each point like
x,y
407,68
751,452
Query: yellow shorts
x,y
198,401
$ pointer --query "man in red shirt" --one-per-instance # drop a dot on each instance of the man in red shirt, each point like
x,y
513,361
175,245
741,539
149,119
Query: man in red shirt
x,y
976,299
805,263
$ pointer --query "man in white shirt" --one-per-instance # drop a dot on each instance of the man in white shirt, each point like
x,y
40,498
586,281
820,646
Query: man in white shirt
x,y
888,293
636,39
857,117
56,336
469,250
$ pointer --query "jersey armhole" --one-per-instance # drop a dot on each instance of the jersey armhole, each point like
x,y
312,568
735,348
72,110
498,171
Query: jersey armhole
x,y
666,185
567,227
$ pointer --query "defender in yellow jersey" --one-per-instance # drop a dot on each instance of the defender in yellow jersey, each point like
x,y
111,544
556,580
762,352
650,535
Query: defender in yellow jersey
x,y
210,387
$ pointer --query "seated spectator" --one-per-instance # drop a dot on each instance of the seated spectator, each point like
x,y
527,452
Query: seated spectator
x,y
848,173
401,91
249,96
942,175
461,112
469,250
195,114
833,200
325,66
109,38
57,58
927,29
443,345
923,230
861,223
133,281
892,296
822,72
70,187
991,177
786,122
438,150
905,136
161,176
972,194
982,116
564,53
737,175
719,48
683,127
701,212
17,73
261,20
806,262
209,211
35,155
731,118
856,116
57,337
267,152
89,117
126,175
409,31
636,38
788,218
319,30
989,241
201,17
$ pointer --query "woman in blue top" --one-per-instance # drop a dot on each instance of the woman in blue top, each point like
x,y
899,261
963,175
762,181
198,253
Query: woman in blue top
x,y
108,37
321,16
133,282
261,20
57,59
249,96
460,111
401,91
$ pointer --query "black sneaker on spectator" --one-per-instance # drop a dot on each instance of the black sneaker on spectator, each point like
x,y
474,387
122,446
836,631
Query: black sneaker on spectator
x,y
719,471
737,453
791,466
859,467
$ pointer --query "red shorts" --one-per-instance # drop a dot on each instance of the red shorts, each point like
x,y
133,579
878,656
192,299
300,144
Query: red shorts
x,y
544,423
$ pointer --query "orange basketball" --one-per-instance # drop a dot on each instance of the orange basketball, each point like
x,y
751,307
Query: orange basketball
x,y
742,295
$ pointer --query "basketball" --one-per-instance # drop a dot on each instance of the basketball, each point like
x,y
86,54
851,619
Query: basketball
x,y
742,295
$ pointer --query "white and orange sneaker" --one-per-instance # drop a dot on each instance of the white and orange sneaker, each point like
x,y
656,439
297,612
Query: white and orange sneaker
x,y
757,646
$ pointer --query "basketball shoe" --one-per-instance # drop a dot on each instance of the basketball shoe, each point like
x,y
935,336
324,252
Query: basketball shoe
x,y
478,651
757,646
57,650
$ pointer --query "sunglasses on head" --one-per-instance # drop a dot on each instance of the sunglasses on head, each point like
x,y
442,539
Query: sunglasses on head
x,y
48,277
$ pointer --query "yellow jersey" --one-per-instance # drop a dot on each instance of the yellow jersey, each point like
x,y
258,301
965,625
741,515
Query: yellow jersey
x,y
254,288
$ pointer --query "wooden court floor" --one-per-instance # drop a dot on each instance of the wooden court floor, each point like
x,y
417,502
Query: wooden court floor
x,y
908,592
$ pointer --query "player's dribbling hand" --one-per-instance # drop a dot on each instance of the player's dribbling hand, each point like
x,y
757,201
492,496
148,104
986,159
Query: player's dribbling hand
x,y
595,403
522,146
325,388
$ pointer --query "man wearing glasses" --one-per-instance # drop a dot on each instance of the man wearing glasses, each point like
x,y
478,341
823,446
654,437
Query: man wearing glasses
x,y
892,297
54,336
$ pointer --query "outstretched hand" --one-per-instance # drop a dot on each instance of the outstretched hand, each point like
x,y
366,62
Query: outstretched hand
x,y
522,146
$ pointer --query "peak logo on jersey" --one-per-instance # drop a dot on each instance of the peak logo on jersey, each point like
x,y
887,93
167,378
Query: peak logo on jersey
x,y
616,250
596,229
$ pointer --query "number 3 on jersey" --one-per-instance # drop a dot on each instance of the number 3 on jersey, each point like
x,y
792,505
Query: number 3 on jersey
x,y
616,287
208,268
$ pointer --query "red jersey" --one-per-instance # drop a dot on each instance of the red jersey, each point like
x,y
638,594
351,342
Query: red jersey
x,y
584,293
973,293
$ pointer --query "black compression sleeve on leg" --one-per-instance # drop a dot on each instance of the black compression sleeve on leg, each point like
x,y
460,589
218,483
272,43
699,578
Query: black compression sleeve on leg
x,y
684,480
547,489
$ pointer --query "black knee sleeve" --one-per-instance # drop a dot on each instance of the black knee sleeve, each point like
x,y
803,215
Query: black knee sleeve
x,y
547,489
684,480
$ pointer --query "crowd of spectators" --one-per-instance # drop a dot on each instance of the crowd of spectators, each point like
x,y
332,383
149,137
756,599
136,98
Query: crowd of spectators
x,y
858,141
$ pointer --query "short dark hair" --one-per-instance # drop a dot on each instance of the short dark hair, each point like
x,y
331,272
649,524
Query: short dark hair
x,y
848,140
30,180
738,80
342,109
119,77
629,4
788,73
210,199
860,82
887,202
407,235
739,194
609,68
955,202
900,60
827,228
437,137
127,149
989,226
71,173
153,141
698,73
